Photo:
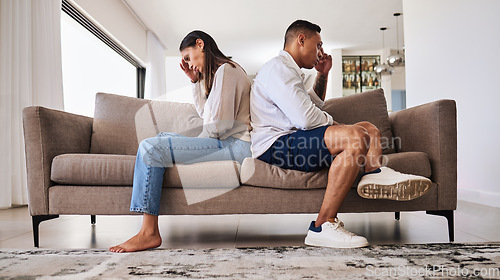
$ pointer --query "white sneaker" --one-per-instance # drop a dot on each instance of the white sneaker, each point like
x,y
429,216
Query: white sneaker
x,y
333,235
390,184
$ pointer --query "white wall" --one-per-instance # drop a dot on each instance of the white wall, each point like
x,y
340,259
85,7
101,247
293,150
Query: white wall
x,y
398,80
452,51
334,87
179,87
386,80
116,19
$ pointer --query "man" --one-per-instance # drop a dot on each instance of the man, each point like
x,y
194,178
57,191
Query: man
x,y
291,131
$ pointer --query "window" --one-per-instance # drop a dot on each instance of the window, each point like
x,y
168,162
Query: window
x,y
90,66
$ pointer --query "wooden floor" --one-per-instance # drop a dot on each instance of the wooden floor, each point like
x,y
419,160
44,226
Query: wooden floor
x,y
473,223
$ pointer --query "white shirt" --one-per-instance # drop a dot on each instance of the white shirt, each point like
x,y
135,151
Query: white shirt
x,y
226,110
280,104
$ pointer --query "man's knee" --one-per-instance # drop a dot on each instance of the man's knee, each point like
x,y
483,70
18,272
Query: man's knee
x,y
369,127
352,137
359,139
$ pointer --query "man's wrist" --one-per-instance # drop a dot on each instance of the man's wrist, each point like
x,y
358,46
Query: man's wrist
x,y
323,74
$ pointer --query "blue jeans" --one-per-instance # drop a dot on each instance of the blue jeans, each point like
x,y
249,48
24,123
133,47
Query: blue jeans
x,y
157,153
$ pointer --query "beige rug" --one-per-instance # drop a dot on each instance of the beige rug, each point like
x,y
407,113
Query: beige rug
x,y
425,261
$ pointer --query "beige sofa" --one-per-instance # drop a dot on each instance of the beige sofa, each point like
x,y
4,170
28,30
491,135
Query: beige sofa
x,y
84,166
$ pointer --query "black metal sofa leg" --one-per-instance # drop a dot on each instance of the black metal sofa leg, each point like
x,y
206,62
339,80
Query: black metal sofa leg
x,y
448,214
36,222
92,219
397,215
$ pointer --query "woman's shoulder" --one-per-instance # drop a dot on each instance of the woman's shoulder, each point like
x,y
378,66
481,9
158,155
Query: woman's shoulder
x,y
232,68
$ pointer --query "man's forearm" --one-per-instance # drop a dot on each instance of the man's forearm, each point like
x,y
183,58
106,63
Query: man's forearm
x,y
320,85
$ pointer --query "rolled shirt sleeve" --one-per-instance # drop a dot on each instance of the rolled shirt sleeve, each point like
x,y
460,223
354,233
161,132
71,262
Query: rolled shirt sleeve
x,y
315,98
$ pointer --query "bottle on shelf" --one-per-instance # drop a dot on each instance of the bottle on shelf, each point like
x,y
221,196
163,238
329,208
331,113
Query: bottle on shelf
x,y
358,73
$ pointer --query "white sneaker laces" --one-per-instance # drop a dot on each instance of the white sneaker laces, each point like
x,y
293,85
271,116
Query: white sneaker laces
x,y
338,225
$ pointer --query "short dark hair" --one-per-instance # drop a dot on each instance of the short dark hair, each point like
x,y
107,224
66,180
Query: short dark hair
x,y
300,26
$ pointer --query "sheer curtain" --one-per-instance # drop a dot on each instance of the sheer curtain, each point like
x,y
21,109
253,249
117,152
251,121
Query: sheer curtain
x,y
155,73
30,74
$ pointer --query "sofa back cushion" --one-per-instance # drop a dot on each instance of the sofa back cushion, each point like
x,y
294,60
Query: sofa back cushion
x,y
121,123
366,106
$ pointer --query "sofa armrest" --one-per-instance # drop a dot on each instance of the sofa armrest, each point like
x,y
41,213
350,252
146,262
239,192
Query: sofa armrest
x,y
432,128
48,133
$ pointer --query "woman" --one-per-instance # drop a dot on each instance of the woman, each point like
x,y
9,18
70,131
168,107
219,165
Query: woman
x,y
221,92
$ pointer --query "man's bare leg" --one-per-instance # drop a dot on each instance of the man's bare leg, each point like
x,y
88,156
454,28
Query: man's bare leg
x,y
147,238
348,143
374,154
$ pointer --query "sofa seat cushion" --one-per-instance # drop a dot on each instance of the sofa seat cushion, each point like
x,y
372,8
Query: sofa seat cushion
x,y
118,170
93,169
258,173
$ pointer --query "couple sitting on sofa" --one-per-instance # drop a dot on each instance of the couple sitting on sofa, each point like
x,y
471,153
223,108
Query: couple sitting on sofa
x,y
288,129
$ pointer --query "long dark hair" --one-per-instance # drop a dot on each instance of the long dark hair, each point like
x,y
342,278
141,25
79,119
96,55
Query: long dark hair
x,y
213,56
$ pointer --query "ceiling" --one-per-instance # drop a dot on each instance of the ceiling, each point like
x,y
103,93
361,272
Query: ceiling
x,y
252,31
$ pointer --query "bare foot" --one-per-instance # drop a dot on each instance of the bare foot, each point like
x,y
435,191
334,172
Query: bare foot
x,y
139,242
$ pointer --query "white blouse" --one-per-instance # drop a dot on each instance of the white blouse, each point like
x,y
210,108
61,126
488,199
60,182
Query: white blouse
x,y
226,110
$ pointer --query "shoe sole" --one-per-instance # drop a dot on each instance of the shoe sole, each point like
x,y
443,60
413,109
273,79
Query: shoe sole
x,y
321,243
401,191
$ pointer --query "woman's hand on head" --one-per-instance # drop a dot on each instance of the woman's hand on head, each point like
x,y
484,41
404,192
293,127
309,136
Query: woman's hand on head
x,y
192,74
